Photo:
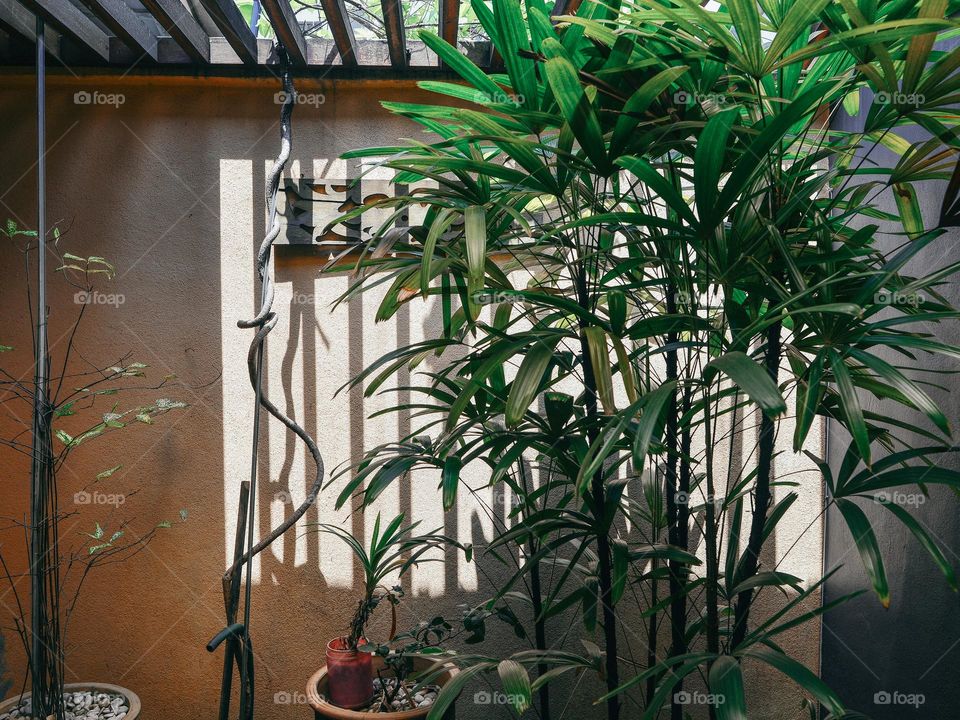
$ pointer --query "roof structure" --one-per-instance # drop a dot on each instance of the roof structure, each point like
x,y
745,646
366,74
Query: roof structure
x,y
352,38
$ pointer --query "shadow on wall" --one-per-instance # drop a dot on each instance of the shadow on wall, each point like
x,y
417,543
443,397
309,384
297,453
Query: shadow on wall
x,y
175,201
900,662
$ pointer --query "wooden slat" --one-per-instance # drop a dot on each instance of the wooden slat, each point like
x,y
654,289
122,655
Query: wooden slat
x,y
396,37
449,20
287,28
17,19
341,29
182,26
234,28
125,24
70,20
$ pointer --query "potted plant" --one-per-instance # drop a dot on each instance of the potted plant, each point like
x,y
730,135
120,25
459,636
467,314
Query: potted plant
x,y
677,247
396,677
79,408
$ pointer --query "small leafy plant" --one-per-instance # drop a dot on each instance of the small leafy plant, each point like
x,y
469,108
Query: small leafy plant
x,y
393,550
68,413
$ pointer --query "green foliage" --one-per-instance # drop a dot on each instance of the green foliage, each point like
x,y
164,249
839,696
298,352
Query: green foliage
x,y
392,551
70,416
679,247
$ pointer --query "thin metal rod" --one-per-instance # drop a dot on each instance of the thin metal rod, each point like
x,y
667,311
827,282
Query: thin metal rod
x,y
245,709
39,469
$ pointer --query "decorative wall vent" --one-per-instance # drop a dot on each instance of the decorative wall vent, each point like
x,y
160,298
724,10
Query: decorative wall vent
x,y
310,205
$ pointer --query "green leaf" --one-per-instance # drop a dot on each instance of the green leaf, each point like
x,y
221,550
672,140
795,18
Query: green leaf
x,y
851,103
797,20
601,449
559,409
925,540
750,377
621,566
576,107
639,102
516,685
450,480
451,691
801,675
708,162
458,62
646,173
527,382
475,231
617,309
726,685
768,579
512,38
851,404
909,389
440,225
909,207
652,408
108,473
808,401
746,21
600,364
867,545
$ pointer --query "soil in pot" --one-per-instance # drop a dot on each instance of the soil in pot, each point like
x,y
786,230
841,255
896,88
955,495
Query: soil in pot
x,y
351,675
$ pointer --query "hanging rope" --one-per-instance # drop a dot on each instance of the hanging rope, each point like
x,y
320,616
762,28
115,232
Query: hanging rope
x,y
238,633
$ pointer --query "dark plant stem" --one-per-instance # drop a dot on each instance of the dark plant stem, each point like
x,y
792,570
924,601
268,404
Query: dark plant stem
x,y
677,514
536,597
761,495
598,499
540,634
711,609
652,631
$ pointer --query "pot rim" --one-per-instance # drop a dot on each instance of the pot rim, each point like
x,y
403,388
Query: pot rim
x,y
133,700
343,650
319,704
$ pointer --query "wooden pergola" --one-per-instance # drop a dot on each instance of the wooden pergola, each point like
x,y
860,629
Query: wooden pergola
x,y
212,36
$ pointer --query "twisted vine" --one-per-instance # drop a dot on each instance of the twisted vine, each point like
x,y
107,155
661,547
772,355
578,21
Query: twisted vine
x,y
266,319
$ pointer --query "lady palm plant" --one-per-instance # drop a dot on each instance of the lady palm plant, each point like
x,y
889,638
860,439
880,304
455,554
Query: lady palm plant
x,y
682,250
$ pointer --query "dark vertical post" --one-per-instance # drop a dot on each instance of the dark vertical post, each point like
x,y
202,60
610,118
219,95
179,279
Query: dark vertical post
x,y
39,470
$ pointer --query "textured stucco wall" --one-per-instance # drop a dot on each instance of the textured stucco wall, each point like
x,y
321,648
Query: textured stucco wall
x,y
168,186
901,662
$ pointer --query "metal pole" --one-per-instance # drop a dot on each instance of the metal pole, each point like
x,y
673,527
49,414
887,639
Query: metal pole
x,y
39,471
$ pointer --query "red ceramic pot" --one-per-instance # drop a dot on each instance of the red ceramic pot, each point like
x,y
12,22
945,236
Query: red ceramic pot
x,y
350,675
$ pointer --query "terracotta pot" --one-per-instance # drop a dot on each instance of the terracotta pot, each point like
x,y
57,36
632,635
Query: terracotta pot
x,y
351,675
133,702
317,692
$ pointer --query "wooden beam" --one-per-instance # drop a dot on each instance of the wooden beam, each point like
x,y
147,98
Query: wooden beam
x,y
70,20
396,35
125,24
234,28
177,20
342,30
287,28
17,19
450,20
